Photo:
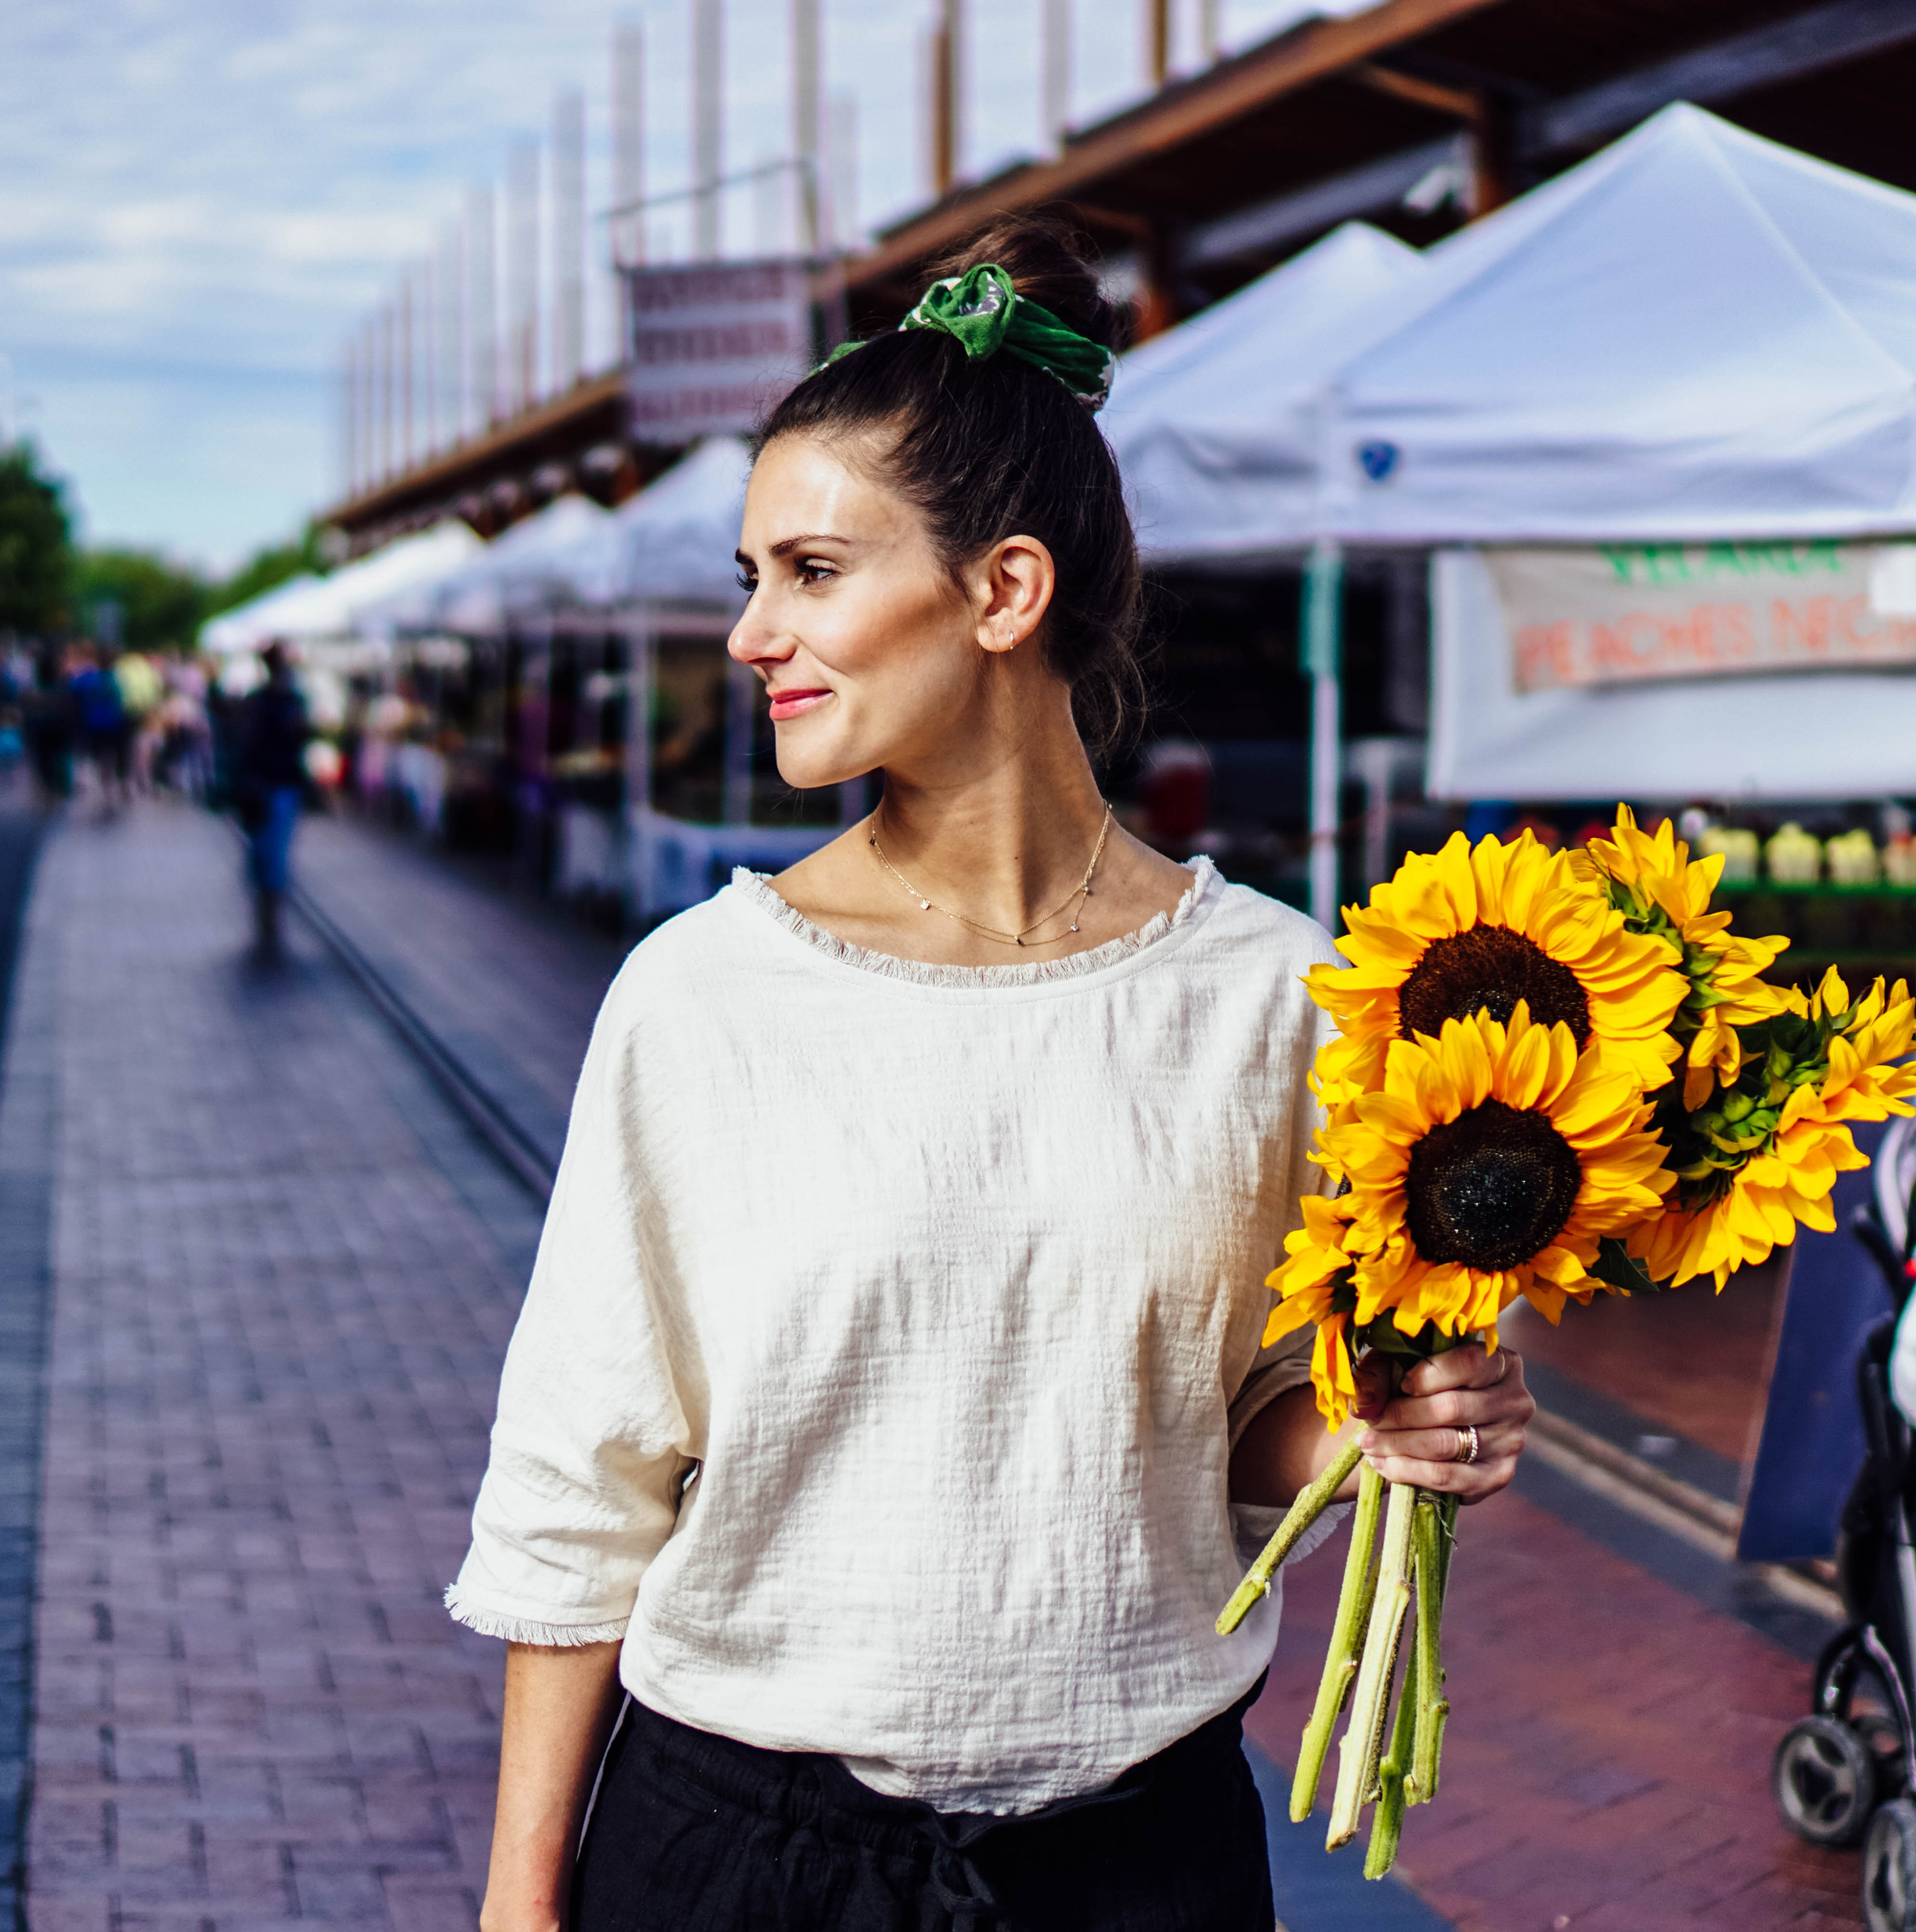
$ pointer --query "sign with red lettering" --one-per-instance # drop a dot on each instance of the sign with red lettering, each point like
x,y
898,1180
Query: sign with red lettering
x,y
1627,613
713,345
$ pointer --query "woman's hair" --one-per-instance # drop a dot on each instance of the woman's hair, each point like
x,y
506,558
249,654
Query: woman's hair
x,y
987,450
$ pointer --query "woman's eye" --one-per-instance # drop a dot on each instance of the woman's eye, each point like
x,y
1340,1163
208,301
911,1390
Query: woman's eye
x,y
747,584
812,570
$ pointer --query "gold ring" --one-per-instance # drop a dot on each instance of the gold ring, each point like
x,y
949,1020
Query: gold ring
x,y
1467,1446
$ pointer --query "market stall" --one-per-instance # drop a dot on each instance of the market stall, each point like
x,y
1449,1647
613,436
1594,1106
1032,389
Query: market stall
x,y
1572,372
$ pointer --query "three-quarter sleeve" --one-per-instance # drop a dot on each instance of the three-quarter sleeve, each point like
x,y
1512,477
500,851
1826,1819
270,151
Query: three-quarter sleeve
x,y
591,1444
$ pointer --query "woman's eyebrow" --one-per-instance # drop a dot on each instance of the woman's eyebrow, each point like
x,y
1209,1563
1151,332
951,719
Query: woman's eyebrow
x,y
785,545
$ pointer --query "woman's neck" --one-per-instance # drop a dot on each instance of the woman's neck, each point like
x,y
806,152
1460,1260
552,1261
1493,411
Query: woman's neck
x,y
997,843
1003,848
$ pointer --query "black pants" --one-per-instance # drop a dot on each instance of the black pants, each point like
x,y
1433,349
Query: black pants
x,y
694,1833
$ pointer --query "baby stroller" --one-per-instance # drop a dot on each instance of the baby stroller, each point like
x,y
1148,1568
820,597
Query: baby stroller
x,y
1849,1770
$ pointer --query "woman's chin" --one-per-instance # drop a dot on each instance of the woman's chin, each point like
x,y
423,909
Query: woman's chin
x,y
805,772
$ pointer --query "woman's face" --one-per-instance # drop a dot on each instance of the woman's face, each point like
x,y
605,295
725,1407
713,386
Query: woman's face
x,y
872,655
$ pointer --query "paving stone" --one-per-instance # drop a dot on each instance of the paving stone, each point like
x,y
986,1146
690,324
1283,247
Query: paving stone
x,y
278,1319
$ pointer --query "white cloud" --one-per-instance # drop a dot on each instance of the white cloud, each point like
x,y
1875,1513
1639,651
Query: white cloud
x,y
199,199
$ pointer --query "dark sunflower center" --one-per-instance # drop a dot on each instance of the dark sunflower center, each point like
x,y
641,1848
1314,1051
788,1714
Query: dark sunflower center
x,y
1490,966
1492,1188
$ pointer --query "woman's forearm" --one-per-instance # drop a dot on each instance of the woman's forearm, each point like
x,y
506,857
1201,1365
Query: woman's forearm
x,y
1286,1450
560,1708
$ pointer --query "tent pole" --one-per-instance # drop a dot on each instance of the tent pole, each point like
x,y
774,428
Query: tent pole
x,y
1323,638
639,679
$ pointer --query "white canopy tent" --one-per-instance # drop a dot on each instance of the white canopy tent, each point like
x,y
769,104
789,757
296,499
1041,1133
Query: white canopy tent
x,y
1216,423
1695,335
324,608
249,626
559,554
675,540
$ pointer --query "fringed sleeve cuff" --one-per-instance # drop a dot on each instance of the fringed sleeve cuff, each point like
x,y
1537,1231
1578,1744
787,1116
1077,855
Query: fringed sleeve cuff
x,y
489,1623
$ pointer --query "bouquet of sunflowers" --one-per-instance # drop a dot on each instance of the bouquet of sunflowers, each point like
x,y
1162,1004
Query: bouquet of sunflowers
x,y
1554,1075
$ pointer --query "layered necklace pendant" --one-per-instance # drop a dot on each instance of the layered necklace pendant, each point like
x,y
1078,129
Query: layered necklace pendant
x,y
1074,906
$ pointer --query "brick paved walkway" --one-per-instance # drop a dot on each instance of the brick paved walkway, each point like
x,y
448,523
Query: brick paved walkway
x,y
1607,1762
510,988
283,1278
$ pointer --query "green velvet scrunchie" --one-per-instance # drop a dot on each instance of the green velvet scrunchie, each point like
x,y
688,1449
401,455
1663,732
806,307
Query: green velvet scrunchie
x,y
983,312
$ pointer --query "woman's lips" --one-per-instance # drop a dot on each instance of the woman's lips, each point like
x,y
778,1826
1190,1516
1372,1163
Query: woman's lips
x,y
795,704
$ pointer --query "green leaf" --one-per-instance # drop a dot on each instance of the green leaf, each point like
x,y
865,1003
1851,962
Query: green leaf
x,y
1616,1265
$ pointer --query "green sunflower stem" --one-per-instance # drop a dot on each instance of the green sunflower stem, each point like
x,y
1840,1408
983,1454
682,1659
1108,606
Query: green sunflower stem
x,y
1388,1821
1347,1639
1432,1537
1311,1504
1363,1738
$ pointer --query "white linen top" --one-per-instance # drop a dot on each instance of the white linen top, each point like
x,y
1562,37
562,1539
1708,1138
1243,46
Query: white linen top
x,y
889,1332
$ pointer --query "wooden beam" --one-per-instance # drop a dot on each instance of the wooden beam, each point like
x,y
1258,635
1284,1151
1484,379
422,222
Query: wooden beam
x,y
1268,225
1457,102
1786,49
1213,100
451,467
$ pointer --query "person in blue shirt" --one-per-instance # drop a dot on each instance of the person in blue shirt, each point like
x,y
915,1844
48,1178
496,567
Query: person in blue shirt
x,y
269,784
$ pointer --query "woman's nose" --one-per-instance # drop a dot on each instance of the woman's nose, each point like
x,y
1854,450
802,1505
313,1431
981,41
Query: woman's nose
x,y
756,641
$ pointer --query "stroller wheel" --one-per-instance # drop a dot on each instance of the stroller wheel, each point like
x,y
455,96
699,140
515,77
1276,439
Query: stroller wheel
x,y
1824,1776
1889,1869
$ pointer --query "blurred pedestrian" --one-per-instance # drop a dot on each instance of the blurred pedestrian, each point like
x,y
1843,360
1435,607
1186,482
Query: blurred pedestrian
x,y
106,731
141,691
49,723
268,783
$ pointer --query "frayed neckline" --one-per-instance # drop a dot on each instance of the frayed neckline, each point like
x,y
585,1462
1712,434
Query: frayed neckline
x,y
757,890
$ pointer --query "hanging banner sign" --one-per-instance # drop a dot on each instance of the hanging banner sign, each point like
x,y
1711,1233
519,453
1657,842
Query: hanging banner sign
x,y
1632,613
711,345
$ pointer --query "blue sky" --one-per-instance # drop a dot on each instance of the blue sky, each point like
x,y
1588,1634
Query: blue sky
x,y
199,199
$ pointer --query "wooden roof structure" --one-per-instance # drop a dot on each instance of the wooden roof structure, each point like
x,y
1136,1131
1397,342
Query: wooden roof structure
x,y
1223,175
1414,114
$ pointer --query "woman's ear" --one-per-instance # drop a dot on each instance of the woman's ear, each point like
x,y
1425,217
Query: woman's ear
x,y
1011,586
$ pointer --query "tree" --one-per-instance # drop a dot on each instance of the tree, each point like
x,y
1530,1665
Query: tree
x,y
36,544
159,605
266,569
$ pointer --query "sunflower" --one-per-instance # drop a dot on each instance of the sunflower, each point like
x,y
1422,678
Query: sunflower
x,y
1491,1166
1763,1157
1652,881
1465,931
1314,1287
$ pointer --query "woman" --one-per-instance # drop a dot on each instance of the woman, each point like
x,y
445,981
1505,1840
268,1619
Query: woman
x,y
890,1372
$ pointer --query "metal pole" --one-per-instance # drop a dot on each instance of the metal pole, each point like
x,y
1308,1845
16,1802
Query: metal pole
x,y
482,265
708,130
806,120
628,140
387,378
1322,640
349,401
639,676
1157,39
369,404
406,370
522,225
568,239
1055,59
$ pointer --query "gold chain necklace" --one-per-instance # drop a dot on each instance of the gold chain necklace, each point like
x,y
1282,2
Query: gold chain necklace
x,y
1073,905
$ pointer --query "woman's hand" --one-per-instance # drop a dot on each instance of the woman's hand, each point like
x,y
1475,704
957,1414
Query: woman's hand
x,y
1419,1435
